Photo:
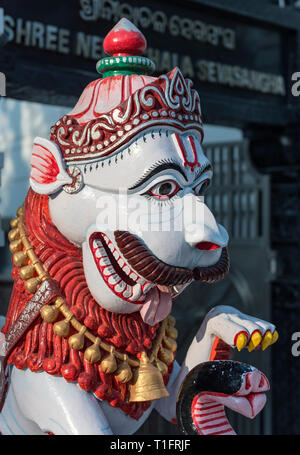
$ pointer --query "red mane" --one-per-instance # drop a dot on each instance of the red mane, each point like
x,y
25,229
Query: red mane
x,y
41,350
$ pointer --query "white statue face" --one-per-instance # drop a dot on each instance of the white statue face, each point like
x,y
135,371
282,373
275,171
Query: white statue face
x,y
153,191
162,174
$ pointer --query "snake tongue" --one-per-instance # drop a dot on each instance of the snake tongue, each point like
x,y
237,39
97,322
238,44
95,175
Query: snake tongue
x,y
157,305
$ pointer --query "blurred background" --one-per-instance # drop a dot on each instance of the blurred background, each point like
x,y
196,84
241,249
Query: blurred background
x,y
241,55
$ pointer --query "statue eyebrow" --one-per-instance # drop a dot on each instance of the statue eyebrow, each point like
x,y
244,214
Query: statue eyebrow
x,y
155,169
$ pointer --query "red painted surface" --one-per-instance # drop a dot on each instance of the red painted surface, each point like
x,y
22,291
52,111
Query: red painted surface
x,y
184,152
207,246
124,39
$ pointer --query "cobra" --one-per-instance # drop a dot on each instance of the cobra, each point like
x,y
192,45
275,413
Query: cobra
x,y
114,227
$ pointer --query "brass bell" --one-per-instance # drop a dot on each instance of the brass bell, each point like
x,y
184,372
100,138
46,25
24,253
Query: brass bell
x,y
165,355
15,246
148,382
76,341
109,364
32,284
62,328
170,343
171,320
49,313
172,332
161,366
14,223
92,353
27,272
20,211
14,234
124,373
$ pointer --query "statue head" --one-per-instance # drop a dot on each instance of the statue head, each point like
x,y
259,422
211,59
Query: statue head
x,y
126,176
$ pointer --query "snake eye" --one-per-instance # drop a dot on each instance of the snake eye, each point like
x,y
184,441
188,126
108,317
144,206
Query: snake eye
x,y
164,190
202,187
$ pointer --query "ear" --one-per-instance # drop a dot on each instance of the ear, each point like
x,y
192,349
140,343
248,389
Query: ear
x,y
48,172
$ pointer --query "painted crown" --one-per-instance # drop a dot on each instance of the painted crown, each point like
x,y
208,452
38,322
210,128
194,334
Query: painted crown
x,y
114,109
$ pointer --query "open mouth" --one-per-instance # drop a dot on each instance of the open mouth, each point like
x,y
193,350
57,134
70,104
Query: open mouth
x,y
116,272
130,270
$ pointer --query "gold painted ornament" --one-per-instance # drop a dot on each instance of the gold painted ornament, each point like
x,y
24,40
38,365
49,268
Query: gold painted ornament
x,y
109,364
76,341
32,284
124,373
49,313
92,353
148,382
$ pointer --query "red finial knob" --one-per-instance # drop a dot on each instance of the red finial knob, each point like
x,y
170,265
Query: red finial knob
x,y
124,39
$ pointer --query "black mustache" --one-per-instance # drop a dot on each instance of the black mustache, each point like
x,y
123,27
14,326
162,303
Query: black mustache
x,y
152,269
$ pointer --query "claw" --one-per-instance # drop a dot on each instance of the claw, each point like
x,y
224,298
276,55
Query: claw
x,y
254,341
275,337
241,341
268,338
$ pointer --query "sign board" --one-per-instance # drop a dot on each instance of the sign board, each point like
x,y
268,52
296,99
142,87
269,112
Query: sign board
x,y
237,64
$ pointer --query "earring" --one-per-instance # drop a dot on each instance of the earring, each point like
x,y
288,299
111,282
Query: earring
x,y
77,183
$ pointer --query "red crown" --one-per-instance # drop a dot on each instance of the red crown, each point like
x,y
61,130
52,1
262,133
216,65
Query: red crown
x,y
168,101
111,111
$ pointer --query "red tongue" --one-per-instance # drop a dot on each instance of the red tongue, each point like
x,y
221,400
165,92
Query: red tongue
x,y
157,305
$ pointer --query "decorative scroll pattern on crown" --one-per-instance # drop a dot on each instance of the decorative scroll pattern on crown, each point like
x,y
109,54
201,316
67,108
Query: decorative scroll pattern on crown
x,y
168,101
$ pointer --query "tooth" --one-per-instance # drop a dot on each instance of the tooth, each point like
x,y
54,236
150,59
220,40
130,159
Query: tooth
x,y
141,281
147,287
100,253
104,261
136,292
127,292
121,262
111,246
97,243
120,287
133,276
109,270
114,279
116,255
127,270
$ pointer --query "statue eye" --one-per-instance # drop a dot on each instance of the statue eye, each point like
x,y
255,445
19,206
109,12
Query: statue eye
x,y
164,190
202,187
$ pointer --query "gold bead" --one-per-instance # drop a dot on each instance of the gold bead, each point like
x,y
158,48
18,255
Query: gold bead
x,y
62,328
165,355
20,258
14,222
77,341
92,353
109,364
27,272
162,367
32,284
172,332
170,343
14,234
49,313
15,246
123,373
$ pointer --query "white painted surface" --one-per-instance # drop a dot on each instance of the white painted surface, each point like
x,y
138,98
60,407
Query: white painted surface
x,y
21,122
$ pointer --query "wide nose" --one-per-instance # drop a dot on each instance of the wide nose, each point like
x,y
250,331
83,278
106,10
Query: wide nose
x,y
202,231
